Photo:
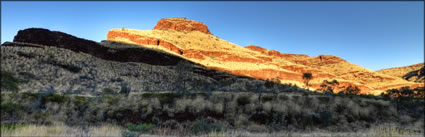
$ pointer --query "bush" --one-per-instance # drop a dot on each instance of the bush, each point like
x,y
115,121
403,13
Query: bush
x,y
11,126
126,133
148,95
112,99
141,128
322,118
278,122
9,81
69,67
134,130
167,98
27,75
267,98
78,100
41,117
11,107
30,95
108,91
55,98
204,126
124,88
244,99
283,97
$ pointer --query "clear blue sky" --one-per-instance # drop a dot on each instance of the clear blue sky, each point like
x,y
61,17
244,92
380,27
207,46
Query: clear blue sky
x,y
374,35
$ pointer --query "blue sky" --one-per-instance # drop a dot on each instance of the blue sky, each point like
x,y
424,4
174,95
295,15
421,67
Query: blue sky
x,y
374,35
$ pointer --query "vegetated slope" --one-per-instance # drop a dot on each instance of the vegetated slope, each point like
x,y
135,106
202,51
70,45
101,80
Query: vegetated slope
x,y
55,60
414,73
179,36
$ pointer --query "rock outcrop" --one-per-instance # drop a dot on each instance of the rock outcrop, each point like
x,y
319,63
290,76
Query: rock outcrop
x,y
181,24
49,38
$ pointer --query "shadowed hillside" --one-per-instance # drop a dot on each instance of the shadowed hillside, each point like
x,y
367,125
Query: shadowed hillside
x,y
48,59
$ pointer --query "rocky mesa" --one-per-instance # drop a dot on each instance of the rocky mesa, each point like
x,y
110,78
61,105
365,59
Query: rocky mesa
x,y
193,41
181,24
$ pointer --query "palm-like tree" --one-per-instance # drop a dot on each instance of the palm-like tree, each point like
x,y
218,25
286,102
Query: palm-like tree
x,y
307,77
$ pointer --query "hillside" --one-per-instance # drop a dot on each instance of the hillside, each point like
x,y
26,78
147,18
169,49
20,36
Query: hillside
x,y
54,60
193,41
414,73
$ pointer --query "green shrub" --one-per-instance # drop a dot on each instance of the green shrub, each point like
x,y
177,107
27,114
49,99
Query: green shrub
x,y
79,100
112,99
11,126
108,91
267,98
55,98
41,117
203,126
167,98
323,117
11,107
141,128
30,95
147,95
9,81
283,97
126,133
244,99
27,75
278,122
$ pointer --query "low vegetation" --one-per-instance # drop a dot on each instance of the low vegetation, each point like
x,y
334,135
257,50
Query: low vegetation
x,y
212,113
201,113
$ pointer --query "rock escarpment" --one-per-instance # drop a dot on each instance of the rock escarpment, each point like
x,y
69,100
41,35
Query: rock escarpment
x,y
62,40
181,24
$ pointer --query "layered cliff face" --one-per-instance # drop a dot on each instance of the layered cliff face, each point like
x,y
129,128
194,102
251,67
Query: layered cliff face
x,y
200,46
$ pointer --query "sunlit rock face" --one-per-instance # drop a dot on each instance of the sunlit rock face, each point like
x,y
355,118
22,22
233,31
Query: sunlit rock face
x,y
193,41
181,24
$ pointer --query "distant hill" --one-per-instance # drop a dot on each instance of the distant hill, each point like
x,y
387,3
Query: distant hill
x,y
193,41
414,73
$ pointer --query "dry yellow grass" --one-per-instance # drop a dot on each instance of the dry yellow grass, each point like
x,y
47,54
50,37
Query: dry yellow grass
x,y
115,131
59,129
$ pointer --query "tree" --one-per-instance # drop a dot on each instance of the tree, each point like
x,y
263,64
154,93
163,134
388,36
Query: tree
x,y
354,90
328,87
407,92
307,77
269,84
419,92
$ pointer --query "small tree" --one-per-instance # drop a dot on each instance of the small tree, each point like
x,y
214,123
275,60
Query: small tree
x,y
328,87
353,90
307,77
125,89
269,84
